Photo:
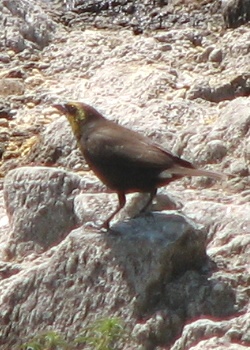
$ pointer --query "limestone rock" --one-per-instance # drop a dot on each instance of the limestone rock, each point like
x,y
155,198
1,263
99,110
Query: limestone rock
x,y
39,204
127,272
236,12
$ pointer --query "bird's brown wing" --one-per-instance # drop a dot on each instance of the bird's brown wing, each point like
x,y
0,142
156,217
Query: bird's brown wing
x,y
118,145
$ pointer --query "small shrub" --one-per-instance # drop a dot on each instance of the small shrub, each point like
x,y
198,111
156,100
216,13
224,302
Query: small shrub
x,y
104,334
46,341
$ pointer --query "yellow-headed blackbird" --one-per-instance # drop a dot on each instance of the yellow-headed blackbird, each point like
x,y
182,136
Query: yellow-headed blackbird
x,y
122,159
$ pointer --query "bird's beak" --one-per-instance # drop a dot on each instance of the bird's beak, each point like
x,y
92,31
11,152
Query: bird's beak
x,y
61,107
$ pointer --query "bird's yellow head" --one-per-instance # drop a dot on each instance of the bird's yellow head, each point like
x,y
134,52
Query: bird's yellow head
x,y
78,114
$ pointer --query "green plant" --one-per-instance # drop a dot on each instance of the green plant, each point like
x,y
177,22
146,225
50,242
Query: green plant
x,y
103,334
46,341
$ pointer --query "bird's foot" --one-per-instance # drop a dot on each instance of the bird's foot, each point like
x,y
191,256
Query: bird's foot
x,y
102,229
108,230
104,226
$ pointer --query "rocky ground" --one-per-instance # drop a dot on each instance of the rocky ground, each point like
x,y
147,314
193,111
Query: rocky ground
x,y
178,278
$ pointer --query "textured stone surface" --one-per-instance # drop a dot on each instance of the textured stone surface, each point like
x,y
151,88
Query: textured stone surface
x,y
235,12
57,146
39,204
162,84
31,27
127,274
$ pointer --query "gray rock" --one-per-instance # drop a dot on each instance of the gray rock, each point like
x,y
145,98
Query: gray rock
x,y
166,234
57,145
127,272
31,27
11,87
239,168
235,127
236,87
203,57
39,204
79,280
4,58
235,12
216,56
213,152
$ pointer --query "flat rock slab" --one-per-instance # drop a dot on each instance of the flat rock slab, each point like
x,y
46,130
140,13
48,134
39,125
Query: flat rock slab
x,y
88,275
155,248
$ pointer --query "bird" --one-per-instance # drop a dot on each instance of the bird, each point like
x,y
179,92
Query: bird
x,y
125,160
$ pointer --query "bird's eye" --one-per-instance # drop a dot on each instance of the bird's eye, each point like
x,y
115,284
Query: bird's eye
x,y
72,109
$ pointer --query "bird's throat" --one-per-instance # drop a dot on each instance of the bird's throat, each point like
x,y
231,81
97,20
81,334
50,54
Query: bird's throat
x,y
75,127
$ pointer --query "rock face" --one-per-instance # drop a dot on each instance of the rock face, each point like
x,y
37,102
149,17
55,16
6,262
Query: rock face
x,y
32,27
236,12
127,273
40,215
178,275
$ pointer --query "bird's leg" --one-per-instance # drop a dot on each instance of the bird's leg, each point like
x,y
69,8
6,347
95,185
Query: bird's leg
x,y
122,202
151,197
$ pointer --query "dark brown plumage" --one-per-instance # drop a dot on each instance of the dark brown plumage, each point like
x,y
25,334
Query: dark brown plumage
x,y
122,159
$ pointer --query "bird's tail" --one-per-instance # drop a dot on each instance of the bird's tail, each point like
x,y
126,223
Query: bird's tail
x,y
183,171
